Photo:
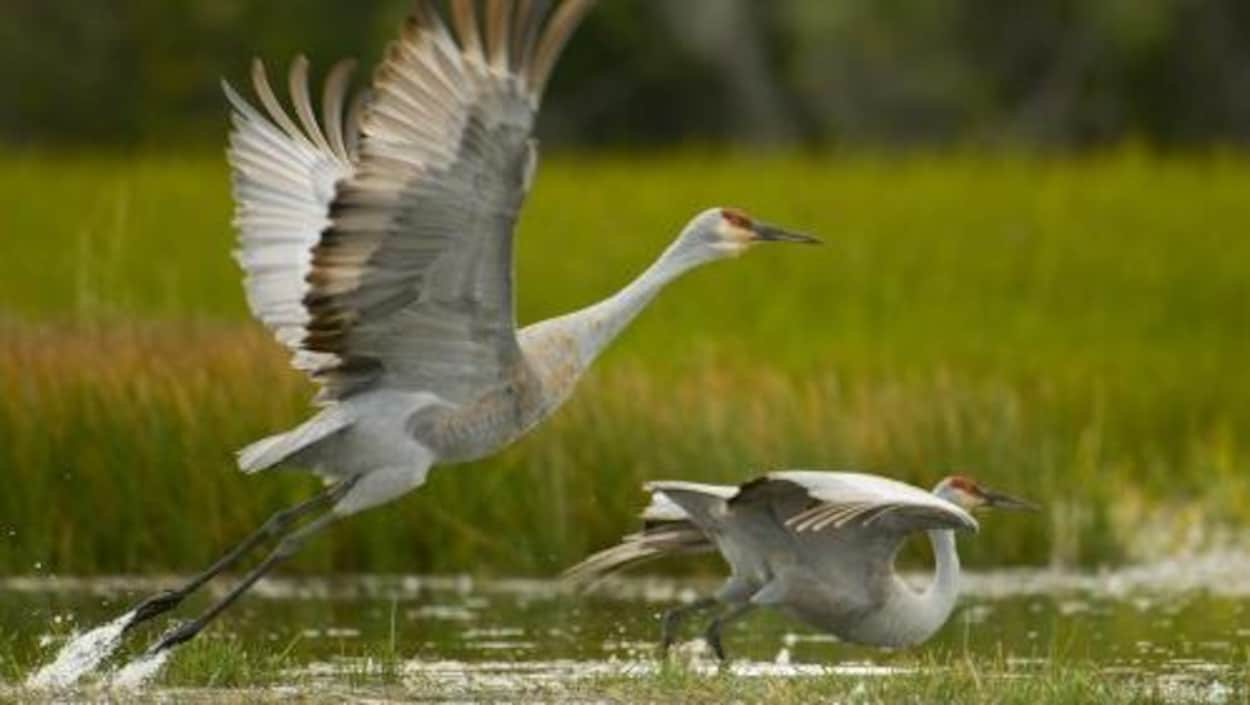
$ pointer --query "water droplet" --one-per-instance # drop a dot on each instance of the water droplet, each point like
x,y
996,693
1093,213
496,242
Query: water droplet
x,y
138,672
80,655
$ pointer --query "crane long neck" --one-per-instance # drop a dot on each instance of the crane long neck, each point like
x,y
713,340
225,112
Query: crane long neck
x,y
945,586
938,600
602,322
909,617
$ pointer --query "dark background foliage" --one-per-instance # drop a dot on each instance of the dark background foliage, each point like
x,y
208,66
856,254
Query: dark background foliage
x,y
1048,73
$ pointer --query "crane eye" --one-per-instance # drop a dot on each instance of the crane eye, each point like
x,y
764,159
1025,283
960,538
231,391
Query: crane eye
x,y
736,218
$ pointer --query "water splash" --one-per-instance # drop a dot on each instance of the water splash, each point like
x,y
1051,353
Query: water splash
x,y
80,655
138,672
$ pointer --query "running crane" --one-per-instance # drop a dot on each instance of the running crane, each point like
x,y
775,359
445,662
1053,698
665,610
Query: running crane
x,y
818,545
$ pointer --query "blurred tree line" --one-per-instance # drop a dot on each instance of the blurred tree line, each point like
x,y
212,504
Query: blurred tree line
x,y
1048,73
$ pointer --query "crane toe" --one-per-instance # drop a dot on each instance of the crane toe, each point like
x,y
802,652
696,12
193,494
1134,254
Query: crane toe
x,y
154,606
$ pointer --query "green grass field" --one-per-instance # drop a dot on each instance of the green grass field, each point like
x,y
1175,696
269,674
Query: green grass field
x,y
1075,331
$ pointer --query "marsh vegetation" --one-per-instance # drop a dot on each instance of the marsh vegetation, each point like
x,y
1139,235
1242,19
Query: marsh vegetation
x,y
1071,330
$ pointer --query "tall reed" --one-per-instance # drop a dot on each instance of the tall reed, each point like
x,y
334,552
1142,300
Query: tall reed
x,y
1074,331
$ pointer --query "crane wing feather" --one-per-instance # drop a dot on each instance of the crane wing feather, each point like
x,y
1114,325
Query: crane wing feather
x,y
846,499
850,523
412,285
283,185
379,249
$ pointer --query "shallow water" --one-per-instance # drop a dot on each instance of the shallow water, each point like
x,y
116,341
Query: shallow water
x,y
1184,624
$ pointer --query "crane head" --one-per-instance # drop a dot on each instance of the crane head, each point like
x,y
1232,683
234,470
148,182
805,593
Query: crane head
x,y
969,495
730,232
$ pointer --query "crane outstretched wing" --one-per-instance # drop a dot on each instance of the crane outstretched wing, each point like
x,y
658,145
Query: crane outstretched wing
x,y
849,522
844,499
819,500
404,277
284,178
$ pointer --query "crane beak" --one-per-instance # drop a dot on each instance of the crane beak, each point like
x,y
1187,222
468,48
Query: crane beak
x,y
763,232
998,500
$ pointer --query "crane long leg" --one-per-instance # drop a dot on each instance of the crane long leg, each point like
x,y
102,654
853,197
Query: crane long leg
x,y
672,619
287,547
275,526
713,633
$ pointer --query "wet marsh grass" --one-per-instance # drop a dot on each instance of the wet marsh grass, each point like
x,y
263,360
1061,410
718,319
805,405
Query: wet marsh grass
x,y
219,671
934,680
229,663
1073,331
1116,644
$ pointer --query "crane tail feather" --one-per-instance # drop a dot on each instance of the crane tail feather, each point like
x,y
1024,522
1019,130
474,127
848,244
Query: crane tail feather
x,y
278,449
657,541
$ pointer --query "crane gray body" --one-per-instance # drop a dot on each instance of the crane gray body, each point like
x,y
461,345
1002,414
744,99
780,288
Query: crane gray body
x,y
841,580
399,435
376,242
819,546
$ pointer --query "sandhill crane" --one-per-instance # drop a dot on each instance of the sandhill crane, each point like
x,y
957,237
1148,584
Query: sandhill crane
x,y
818,545
378,248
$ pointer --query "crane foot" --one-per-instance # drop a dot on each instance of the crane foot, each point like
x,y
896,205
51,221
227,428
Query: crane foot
x,y
155,606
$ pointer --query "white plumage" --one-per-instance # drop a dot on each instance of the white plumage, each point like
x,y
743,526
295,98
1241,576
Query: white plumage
x,y
283,187
847,497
